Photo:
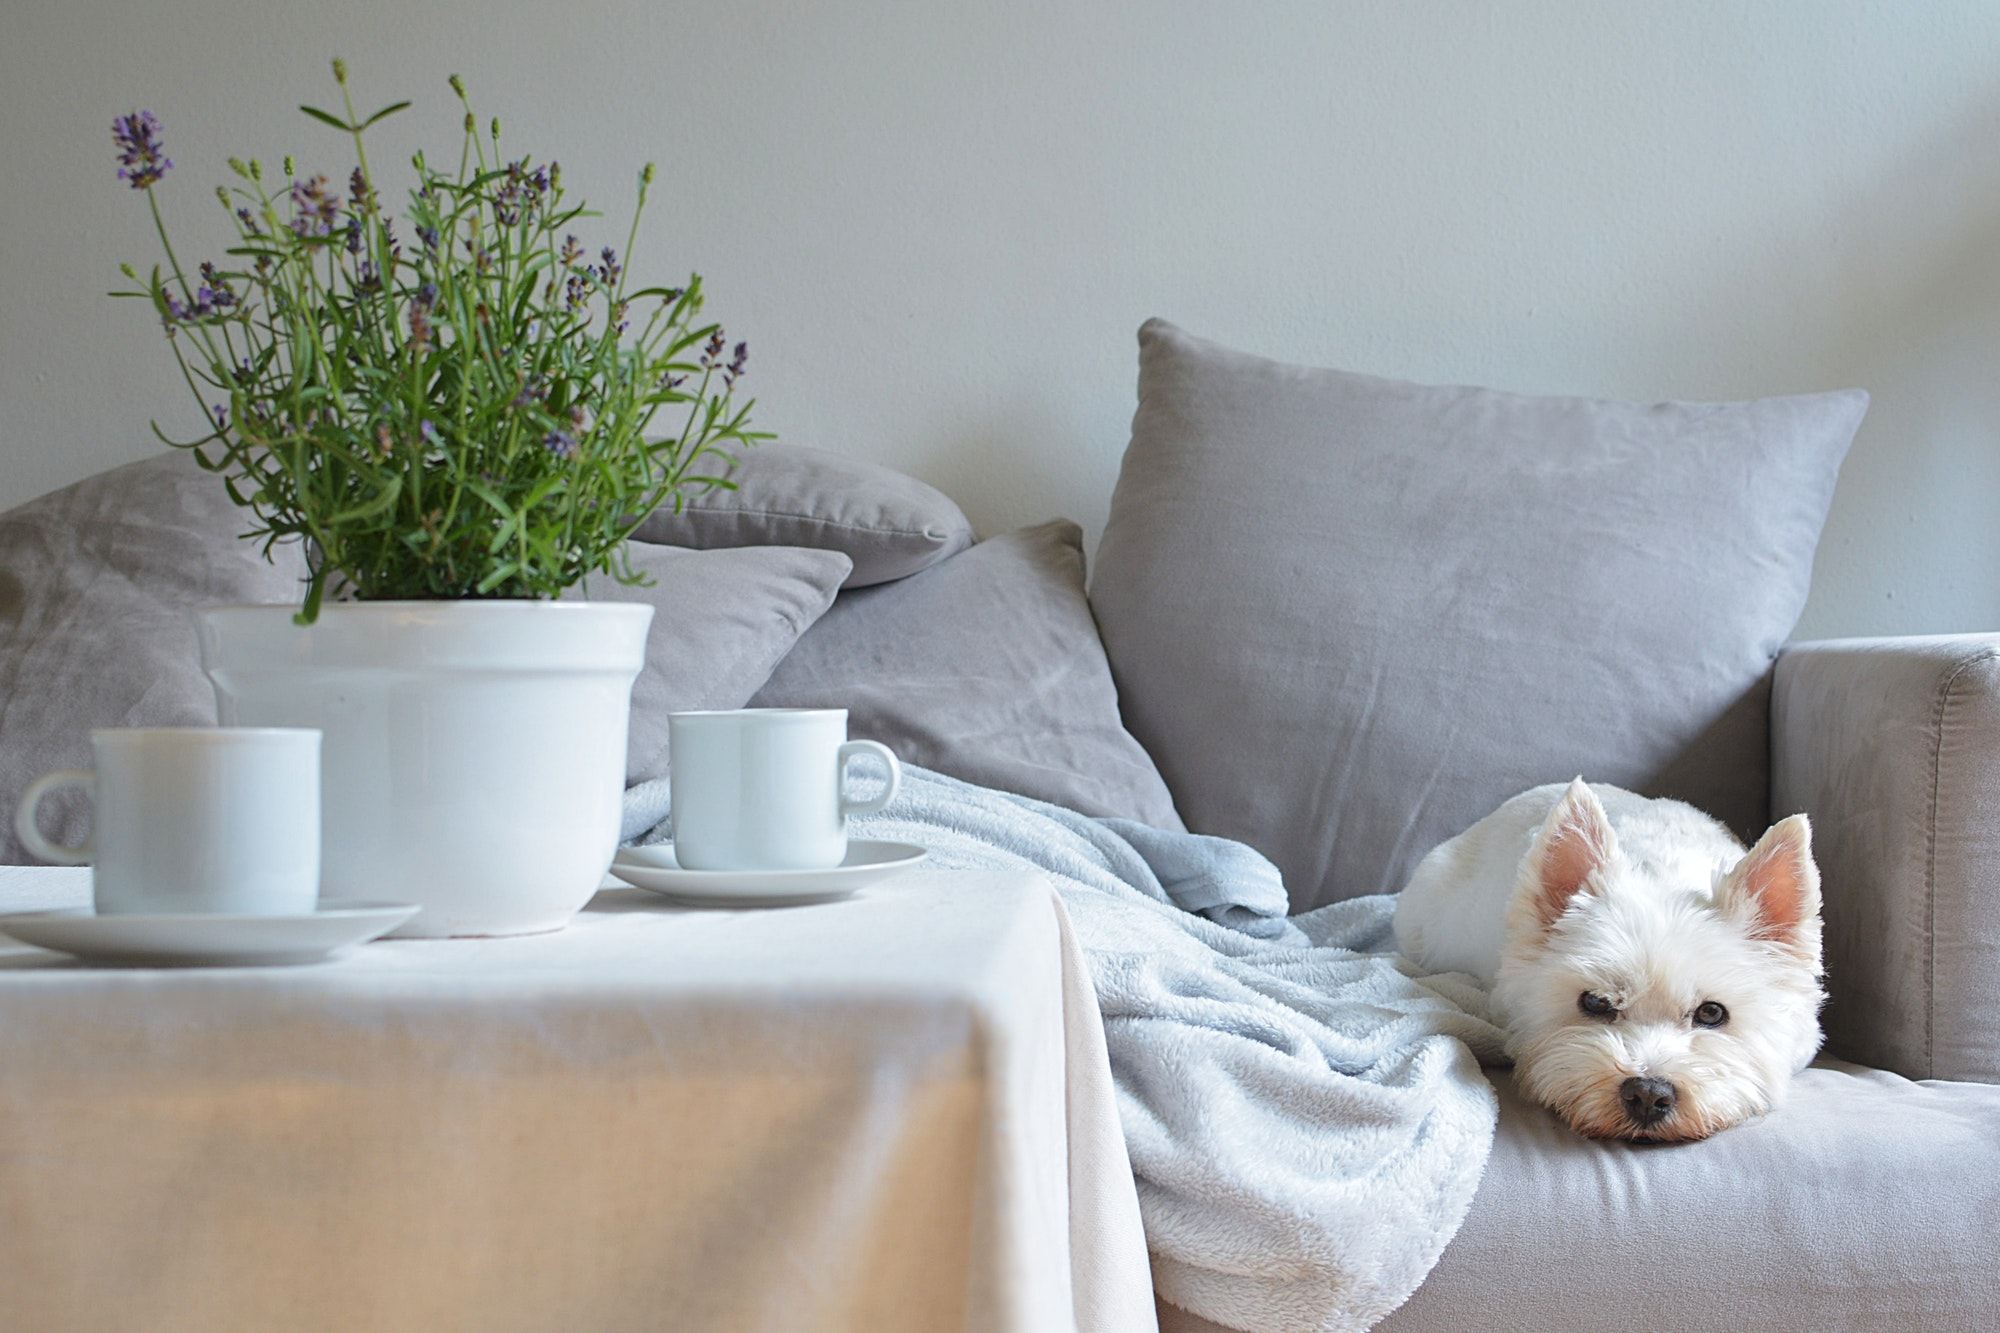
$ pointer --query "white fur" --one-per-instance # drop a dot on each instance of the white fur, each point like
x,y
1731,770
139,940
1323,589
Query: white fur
x,y
1665,914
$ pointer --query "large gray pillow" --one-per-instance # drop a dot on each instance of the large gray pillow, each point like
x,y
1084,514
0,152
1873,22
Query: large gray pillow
x,y
1349,616
890,525
97,581
986,667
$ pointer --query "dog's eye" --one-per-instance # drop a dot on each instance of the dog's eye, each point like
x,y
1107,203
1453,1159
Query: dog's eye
x,y
1710,1015
1598,1006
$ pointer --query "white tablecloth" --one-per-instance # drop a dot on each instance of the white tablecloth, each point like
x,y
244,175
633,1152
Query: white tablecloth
x,y
887,1113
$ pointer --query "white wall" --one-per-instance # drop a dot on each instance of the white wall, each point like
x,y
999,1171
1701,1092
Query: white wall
x,y
940,223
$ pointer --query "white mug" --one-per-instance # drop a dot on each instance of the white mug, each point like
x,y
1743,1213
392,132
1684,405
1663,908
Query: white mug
x,y
766,788
194,819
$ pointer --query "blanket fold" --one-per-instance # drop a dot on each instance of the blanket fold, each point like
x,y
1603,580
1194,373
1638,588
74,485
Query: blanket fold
x,y
1304,1112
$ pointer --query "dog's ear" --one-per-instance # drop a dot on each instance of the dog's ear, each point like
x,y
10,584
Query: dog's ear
x,y
1574,842
1774,890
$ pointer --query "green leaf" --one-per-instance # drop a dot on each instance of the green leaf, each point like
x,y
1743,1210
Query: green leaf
x,y
329,119
392,488
389,110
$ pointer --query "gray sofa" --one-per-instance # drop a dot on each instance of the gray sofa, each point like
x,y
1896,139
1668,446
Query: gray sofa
x,y
1348,616
1339,618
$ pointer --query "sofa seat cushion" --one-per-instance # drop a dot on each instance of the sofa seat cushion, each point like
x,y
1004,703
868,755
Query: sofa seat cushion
x,y
1867,1202
1349,616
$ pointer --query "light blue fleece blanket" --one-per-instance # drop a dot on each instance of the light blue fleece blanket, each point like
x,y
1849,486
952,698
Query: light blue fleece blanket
x,y
1305,1114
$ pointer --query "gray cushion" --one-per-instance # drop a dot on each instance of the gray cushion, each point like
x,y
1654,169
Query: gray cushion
x,y
721,621
1867,1202
988,668
96,581
1893,747
890,525
1349,616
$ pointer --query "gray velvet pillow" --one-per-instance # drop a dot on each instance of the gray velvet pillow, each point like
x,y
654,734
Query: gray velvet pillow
x,y
1349,616
890,525
721,621
96,582
986,667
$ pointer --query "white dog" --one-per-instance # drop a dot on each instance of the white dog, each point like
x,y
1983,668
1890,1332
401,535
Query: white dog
x,y
1657,982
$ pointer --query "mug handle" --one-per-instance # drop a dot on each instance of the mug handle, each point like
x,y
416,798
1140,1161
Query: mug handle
x,y
852,749
24,818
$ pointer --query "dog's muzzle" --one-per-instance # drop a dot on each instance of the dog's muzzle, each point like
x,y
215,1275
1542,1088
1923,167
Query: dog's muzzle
x,y
1647,1101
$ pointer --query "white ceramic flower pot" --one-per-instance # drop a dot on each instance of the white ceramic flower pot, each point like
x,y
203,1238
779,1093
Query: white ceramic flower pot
x,y
474,758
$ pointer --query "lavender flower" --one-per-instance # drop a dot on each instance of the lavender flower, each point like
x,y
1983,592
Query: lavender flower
x,y
249,221
560,443
532,391
215,295
140,150
612,270
737,361
314,211
420,317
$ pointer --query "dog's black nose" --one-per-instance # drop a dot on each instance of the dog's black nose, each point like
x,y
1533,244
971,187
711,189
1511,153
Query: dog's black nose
x,y
1647,1101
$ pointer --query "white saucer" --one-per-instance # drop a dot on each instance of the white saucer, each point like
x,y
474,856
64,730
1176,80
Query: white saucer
x,y
654,868
193,939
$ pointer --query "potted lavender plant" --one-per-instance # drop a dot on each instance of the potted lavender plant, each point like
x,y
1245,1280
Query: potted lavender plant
x,y
456,412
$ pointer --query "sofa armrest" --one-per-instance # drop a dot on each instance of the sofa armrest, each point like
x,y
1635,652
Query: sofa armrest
x,y
1892,747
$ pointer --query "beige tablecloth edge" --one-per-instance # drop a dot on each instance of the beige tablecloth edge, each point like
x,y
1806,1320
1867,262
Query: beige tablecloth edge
x,y
1110,1274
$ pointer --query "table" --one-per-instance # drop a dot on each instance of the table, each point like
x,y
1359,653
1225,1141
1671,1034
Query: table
x,y
893,1112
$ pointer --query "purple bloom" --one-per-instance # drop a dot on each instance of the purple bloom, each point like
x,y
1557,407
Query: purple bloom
x,y
313,209
560,443
609,274
140,150
215,293
532,391
249,222
221,415
737,361
420,316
